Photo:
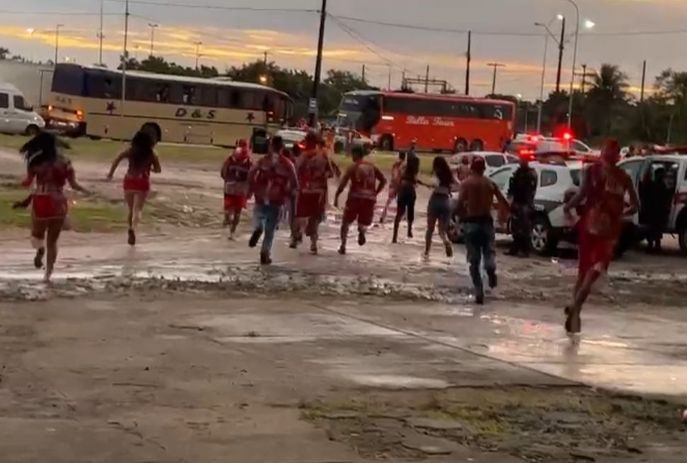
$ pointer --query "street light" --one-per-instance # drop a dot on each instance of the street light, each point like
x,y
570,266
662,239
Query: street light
x,y
197,44
152,26
263,79
57,41
540,108
588,25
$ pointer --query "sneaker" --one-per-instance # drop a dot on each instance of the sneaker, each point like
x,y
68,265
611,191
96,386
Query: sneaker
x,y
38,260
255,237
410,233
132,238
361,238
265,259
493,280
342,250
479,299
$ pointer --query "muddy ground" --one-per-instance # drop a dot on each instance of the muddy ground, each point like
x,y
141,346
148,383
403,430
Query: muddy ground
x,y
184,349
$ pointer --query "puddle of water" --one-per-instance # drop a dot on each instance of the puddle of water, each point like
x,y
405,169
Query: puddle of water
x,y
398,381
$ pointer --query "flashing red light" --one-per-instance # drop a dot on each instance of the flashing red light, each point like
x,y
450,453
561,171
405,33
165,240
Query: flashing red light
x,y
567,136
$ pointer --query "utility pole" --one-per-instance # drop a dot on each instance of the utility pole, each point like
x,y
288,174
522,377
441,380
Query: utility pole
x,y
318,64
493,80
57,41
389,81
364,81
468,59
584,77
198,44
125,56
427,80
641,92
264,60
561,48
100,34
152,26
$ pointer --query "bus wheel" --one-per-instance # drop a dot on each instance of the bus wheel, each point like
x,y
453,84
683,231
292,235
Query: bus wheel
x,y
153,130
477,145
32,130
461,145
387,143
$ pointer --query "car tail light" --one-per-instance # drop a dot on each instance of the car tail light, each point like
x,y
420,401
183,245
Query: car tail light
x,y
681,198
79,114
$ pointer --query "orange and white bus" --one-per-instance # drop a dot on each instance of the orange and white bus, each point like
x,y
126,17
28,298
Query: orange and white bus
x,y
88,101
437,122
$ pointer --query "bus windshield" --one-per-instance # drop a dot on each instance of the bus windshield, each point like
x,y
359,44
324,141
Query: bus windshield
x,y
360,112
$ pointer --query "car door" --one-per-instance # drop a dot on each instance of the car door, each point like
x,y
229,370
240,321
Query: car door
x,y
501,179
635,168
5,119
20,115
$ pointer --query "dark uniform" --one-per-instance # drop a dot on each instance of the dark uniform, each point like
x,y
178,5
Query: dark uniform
x,y
522,189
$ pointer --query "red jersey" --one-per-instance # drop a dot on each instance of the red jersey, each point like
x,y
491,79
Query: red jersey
x,y
364,176
314,171
273,180
235,172
49,200
606,201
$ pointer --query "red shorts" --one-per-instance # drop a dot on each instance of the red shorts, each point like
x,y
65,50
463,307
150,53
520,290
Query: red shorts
x,y
311,205
360,209
235,202
137,184
49,207
595,253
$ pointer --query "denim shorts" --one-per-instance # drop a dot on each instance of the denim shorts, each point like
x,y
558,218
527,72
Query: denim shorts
x,y
440,207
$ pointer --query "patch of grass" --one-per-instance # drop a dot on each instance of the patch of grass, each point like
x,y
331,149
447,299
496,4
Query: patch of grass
x,y
105,150
87,214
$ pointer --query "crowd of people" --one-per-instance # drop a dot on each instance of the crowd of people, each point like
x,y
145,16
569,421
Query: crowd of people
x,y
293,188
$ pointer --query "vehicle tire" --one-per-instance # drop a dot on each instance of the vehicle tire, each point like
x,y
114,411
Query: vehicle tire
x,y
154,130
32,130
338,147
460,146
628,238
386,143
543,239
477,145
455,231
682,237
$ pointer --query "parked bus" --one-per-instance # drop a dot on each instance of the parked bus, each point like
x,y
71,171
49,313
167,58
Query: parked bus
x,y
88,101
438,122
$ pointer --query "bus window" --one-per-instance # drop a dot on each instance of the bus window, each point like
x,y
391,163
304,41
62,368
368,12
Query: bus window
x,y
250,100
208,96
162,93
100,85
188,95
68,79
496,111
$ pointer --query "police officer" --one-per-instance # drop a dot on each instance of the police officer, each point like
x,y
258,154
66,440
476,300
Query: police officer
x,y
521,192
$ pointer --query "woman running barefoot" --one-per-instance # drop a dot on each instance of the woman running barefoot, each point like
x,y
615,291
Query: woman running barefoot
x,y
51,172
394,184
439,206
142,160
407,195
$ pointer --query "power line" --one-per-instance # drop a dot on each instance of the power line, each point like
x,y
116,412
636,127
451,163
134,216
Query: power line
x,y
57,13
217,7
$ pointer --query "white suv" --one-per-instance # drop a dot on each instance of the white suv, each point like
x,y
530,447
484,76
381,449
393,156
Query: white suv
x,y
554,183
675,165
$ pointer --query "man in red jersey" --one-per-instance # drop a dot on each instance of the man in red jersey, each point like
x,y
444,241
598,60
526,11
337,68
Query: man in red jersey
x,y
367,181
273,181
314,169
235,175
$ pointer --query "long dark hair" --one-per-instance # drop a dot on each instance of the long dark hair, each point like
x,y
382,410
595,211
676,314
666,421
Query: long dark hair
x,y
412,167
141,149
442,170
41,148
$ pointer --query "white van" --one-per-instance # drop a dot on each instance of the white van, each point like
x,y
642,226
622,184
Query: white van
x,y
16,114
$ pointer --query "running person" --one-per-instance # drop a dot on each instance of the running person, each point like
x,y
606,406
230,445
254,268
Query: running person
x,y
603,194
273,181
142,160
236,186
395,183
439,206
367,181
314,169
405,202
50,172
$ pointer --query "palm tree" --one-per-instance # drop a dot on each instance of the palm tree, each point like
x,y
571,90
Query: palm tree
x,y
608,92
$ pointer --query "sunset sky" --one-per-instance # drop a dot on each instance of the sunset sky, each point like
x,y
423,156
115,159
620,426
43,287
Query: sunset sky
x,y
626,32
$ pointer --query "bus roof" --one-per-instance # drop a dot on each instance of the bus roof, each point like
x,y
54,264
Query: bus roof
x,y
221,81
426,96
